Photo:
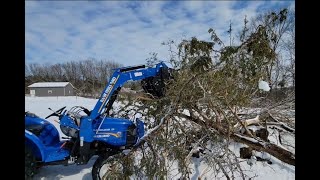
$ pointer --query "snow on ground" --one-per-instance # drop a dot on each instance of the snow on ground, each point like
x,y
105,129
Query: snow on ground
x,y
40,105
262,170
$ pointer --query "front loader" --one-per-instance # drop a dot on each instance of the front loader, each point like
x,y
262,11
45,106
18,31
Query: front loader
x,y
91,132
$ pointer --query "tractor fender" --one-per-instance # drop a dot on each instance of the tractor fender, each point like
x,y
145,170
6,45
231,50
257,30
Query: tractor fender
x,y
34,143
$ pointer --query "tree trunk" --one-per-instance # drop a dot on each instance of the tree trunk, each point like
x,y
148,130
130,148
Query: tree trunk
x,y
276,151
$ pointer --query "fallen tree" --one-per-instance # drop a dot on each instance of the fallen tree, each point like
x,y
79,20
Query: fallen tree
x,y
200,109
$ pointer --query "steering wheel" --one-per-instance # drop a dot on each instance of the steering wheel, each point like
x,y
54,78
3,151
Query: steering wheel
x,y
56,113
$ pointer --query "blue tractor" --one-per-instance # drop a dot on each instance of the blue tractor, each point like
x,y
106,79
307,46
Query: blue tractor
x,y
92,132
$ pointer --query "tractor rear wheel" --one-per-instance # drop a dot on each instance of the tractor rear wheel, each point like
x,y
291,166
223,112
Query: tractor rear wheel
x,y
30,164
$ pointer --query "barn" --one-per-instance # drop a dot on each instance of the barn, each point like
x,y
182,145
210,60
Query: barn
x,y
51,89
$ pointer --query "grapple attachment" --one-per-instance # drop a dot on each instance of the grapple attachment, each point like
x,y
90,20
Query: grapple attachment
x,y
156,85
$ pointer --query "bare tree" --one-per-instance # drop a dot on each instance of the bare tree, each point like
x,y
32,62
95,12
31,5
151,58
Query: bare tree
x,y
88,76
56,71
277,25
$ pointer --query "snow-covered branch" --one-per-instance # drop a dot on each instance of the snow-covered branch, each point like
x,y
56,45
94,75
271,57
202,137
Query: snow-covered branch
x,y
274,150
284,126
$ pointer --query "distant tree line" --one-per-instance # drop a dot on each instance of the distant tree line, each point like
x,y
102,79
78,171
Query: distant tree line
x,y
89,76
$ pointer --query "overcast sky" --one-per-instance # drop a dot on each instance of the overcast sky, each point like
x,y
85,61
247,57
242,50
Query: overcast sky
x,y
126,31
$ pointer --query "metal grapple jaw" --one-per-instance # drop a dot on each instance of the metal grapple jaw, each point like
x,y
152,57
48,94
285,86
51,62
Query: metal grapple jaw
x,y
156,85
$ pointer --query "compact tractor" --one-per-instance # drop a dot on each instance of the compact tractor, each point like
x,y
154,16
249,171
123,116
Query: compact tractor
x,y
91,132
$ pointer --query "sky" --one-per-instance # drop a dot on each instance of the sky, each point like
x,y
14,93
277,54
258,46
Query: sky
x,y
127,32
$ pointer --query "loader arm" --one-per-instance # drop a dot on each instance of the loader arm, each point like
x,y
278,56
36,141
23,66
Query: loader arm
x,y
118,79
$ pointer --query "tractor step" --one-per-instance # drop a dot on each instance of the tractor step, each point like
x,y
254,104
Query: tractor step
x,y
56,153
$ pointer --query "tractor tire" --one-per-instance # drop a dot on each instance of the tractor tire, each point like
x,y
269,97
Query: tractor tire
x,y
108,167
30,164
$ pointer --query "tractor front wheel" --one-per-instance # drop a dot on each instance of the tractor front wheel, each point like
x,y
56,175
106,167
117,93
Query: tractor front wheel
x,y
109,167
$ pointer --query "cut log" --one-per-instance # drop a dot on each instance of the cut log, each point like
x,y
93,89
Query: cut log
x,y
263,134
245,153
248,122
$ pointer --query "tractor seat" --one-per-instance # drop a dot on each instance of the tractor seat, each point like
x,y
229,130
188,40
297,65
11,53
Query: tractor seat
x,y
35,128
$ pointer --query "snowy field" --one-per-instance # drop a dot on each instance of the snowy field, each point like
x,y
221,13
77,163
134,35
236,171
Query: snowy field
x,y
39,105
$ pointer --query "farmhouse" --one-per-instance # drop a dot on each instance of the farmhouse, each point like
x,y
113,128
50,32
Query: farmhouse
x,y
51,89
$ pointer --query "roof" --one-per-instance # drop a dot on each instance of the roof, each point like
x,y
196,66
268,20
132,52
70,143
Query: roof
x,y
50,84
